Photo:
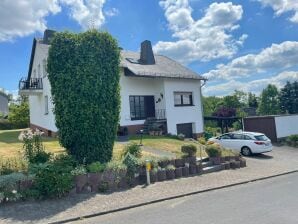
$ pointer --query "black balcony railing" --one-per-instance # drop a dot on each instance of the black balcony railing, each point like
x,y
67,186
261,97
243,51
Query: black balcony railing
x,y
160,114
30,84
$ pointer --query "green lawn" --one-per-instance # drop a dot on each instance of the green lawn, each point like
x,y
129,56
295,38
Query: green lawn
x,y
11,147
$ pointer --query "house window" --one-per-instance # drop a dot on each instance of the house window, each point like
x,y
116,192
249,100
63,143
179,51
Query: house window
x,y
46,104
137,107
183,99
44,67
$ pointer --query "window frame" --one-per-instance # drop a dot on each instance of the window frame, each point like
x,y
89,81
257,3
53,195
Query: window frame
x,y
181,94
137,108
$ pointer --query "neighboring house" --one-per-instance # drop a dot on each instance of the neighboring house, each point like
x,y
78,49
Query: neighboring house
x,y
152,86
275,127
3,103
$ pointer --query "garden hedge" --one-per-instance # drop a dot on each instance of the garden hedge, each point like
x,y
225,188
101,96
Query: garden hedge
x,y
84,75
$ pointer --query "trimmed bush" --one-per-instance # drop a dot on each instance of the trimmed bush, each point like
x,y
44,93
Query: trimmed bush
x,y
131,163
189,150
133,149
54,179
213,150
84,75
96,167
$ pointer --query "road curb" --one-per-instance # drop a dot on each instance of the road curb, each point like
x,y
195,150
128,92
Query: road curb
x,y
169,198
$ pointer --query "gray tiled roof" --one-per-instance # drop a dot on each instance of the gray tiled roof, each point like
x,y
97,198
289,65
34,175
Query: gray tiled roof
x,y
164,67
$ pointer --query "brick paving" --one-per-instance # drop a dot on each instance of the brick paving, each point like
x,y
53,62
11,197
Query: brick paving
x,y
280,160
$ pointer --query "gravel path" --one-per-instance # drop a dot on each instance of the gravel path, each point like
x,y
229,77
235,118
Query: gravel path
x,y
282,159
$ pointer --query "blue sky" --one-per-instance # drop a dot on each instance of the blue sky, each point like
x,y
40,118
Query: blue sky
x,y
237,44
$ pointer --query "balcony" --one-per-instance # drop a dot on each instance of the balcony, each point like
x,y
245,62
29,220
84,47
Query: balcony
x,y
31,86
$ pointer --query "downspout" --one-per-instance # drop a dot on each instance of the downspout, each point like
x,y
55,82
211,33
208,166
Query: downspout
x,y
202,109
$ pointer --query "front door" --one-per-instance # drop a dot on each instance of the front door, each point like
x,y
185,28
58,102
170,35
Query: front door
x,y
149,106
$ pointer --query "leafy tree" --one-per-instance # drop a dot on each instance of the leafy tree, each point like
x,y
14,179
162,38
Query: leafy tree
x,y
252,100
84,75
18,114
231,101
210,104
288,97
269,102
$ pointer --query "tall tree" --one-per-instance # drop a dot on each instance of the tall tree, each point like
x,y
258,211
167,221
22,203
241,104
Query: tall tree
x,y
211,104
18,114
84,75
252,100
285,98
269,101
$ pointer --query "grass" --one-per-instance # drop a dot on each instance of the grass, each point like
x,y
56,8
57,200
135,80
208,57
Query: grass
x,y
10,146
169,144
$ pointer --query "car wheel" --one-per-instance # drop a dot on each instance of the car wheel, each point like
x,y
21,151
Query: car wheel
x,y
245,151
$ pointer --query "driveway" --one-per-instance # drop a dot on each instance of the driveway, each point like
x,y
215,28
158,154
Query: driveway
x,y
280,160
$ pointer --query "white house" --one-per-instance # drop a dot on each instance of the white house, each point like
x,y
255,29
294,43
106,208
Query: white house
x,y
152,86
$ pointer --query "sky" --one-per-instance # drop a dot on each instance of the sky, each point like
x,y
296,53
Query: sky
x,y
243,45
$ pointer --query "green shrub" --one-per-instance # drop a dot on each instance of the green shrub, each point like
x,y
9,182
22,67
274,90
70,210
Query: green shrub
x,y
96,167
79,170
9,185
170,167
181,136
189,150
116,166
213,150
34,150
153,160
84,76
132,164
202,140
133,149
10,165
54,179
293,138
5,124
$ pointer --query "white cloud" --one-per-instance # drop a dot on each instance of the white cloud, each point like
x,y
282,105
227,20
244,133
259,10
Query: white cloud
x,y
88,13
24,17
277,56
204,39
255,86
112,12
18,19
283,6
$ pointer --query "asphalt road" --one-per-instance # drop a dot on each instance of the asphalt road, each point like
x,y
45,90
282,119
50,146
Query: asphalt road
x,y
272,201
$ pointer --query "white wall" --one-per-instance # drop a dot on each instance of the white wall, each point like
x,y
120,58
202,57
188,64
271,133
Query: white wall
x,y
37,102
286,125
141,87
184,114
129,86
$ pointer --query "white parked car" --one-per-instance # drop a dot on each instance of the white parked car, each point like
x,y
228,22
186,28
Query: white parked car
x,y
245,142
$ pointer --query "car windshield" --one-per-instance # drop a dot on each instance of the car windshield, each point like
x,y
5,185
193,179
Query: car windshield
x,y
261,137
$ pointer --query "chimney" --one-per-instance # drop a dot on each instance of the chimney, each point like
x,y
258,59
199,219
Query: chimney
x,y
48,34
147,57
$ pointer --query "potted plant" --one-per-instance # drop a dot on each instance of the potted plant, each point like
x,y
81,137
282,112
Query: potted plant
x,y
170,171
185,171
192,168
178,172
189,152
80,178
161,174
180,162
95,170
214,153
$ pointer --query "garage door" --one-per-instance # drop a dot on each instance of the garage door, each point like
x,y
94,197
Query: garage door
x,y
185,129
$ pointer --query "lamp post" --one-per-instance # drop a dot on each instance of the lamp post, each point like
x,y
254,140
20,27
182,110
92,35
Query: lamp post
x,y
141,139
